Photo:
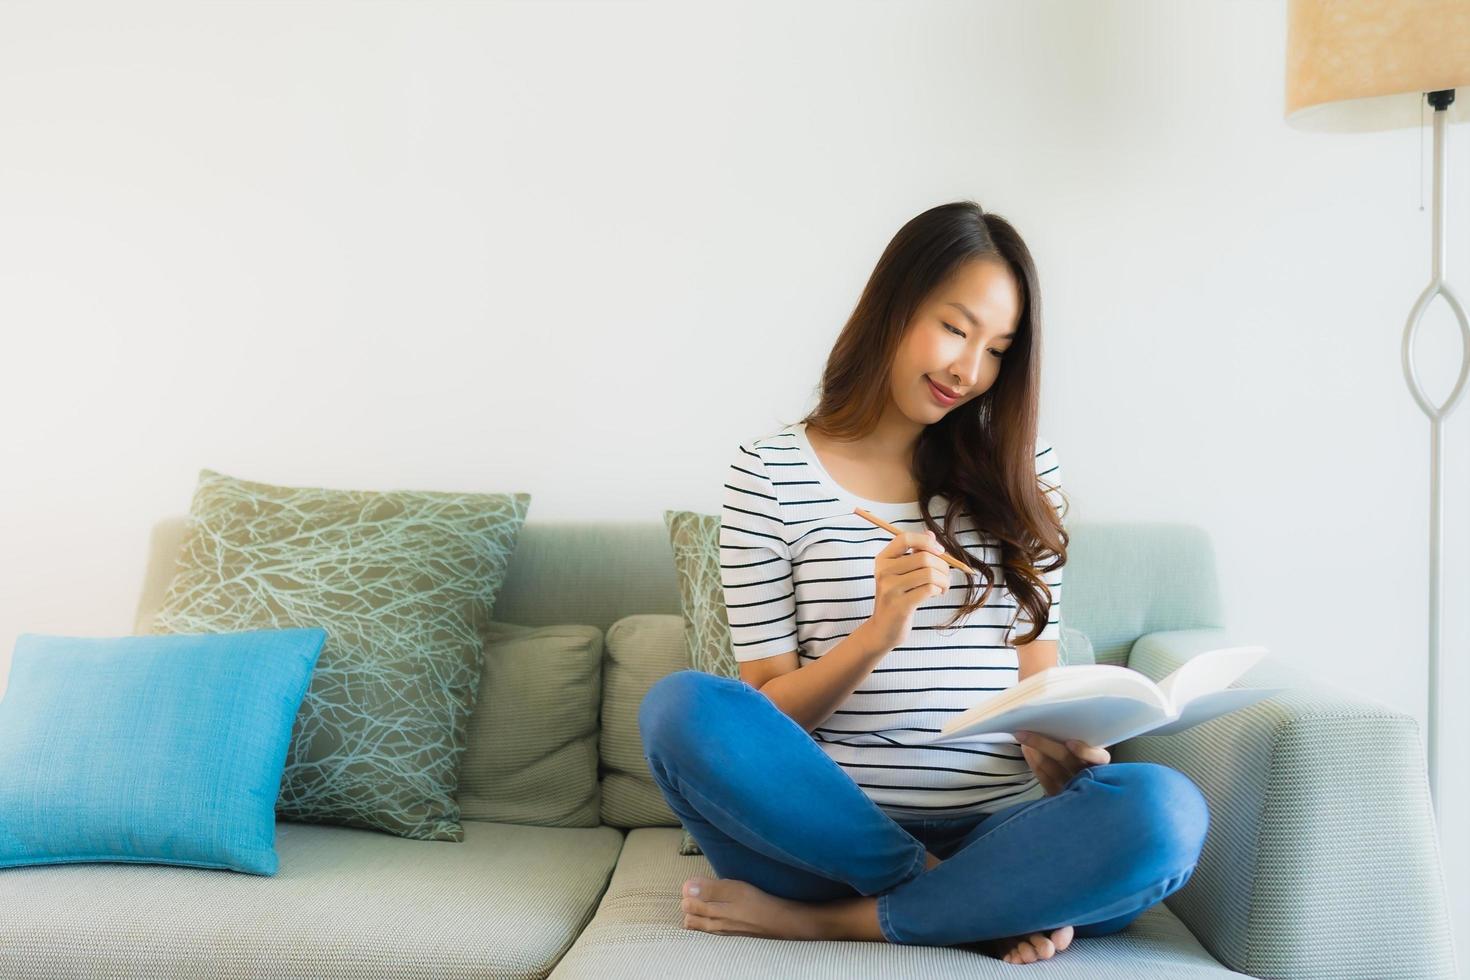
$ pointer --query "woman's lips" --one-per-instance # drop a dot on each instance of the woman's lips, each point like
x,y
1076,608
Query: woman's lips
x,y
940,396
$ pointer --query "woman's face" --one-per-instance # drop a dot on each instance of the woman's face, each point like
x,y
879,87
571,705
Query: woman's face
x,y
945,344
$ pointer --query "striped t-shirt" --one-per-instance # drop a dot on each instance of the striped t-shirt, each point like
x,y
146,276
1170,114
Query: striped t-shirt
x,y
797,570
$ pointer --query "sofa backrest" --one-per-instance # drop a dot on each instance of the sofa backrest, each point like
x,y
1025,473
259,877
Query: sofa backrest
x,y
1122,580
589,573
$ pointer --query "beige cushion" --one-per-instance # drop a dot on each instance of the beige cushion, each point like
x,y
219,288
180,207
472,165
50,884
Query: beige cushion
x,y
640,649
531,756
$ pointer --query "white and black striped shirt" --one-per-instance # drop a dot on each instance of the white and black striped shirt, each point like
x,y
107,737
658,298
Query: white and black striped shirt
x,y
797,570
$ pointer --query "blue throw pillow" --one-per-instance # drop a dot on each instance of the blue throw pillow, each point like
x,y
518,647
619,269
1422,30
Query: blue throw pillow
x,y
155,749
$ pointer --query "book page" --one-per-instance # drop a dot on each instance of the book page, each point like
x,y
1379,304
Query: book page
x,y
1097,719
1102,704
1213,670
1214,704
1057,684
1093,700
1060,683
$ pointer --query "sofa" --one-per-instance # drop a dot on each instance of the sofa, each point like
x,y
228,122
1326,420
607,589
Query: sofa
x,y
1321,859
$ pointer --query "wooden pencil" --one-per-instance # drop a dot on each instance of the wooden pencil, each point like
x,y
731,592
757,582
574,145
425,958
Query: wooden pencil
x,y
870,516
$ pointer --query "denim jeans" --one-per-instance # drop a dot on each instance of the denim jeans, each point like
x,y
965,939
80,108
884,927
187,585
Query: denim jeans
x,y
769,807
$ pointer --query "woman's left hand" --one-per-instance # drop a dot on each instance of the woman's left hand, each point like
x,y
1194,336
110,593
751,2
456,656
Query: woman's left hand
x,y
1055,763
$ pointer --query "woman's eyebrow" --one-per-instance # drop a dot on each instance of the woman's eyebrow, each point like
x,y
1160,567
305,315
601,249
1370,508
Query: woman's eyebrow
x,y
976,321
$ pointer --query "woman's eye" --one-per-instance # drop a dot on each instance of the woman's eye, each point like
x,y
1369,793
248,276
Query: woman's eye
x,y
998,353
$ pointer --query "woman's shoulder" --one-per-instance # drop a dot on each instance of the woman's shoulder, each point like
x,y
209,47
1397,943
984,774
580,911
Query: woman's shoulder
x,y
767,443
776,438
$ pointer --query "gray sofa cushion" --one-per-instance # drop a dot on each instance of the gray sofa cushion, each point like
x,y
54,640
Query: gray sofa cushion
x,y
638,932
531,754
640,650
505,902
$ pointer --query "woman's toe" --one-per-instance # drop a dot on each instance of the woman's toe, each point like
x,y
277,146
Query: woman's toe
x,y
1042,945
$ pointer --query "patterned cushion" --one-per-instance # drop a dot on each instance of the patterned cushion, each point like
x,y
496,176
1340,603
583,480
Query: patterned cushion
x,y
403,582
696,542
532,752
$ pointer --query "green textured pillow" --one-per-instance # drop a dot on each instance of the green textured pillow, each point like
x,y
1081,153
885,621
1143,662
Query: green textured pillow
x,y
403,582
696,543
532,751
641,649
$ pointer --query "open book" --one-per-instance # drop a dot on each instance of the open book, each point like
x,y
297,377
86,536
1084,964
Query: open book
x,y
1102,704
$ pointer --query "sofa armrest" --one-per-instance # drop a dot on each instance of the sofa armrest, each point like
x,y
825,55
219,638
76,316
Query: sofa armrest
x,y
1322,858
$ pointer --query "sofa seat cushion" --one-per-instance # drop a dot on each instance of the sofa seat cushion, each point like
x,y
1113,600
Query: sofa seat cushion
x,y
506,901
638,931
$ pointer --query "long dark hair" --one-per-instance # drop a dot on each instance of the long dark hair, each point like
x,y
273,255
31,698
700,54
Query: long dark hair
x,y
982,455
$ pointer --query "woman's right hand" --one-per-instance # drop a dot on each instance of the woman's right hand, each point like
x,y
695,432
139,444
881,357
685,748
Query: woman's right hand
x,y
906,572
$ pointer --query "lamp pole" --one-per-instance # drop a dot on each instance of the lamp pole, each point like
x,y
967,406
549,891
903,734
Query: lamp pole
x,y
1440,101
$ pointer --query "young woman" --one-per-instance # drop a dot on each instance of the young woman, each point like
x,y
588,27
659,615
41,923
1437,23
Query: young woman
x,y
810,782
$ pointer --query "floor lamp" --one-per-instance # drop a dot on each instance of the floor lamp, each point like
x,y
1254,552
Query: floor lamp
x,y
1365,65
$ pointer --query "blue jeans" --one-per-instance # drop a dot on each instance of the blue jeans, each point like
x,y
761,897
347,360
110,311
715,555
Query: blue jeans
x,y
769,807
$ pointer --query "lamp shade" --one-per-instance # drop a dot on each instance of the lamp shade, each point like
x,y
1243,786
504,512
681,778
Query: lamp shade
x,y
1363,65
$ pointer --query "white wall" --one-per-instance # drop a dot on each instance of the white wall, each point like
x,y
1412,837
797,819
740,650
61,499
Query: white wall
x,y
521,246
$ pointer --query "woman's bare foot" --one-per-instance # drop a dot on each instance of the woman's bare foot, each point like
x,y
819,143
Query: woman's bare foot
x,y
1029,949
737,908
730,907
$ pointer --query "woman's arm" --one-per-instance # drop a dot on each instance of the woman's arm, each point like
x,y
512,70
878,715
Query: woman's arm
x,y
810,694
1035,657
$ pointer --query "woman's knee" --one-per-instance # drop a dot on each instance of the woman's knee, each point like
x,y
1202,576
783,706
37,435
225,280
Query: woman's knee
x,y
1165,805
674,703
